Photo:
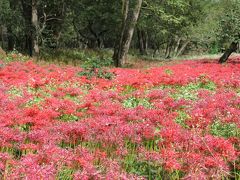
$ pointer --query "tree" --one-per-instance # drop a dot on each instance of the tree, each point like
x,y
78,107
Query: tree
x,y
230,28
167,24
35,24
43,23
130,18
95,22
164,28
11,20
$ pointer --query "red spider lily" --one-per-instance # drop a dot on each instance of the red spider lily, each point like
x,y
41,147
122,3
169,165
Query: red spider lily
x,y
52,118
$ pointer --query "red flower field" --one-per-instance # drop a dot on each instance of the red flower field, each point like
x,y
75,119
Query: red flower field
x,y
169,122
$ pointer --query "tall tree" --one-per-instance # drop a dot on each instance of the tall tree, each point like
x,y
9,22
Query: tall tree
x,y
27,15
95,22
130,18
230,28
35,33
11,20
166,25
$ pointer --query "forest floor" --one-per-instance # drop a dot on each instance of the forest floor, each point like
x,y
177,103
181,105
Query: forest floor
x,y
134,62
138,63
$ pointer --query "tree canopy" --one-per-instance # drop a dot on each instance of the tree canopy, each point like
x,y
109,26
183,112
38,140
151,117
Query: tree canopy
x,y
163,28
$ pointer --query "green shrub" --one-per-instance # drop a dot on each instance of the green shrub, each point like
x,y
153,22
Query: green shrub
x,y
78,56
15,56
93,67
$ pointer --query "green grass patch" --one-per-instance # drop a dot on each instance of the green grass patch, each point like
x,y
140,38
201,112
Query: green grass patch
x,y
65,173
190,91
68,118
181,118
225,129
133,102
15,92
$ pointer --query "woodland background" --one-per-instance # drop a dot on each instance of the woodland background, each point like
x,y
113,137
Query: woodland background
x,y
64,30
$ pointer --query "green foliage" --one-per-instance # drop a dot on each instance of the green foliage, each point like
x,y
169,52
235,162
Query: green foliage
x,y
181,118
86,58
65,174
96,21
100,73
93,66
169,72
214,48
189,92
225,129
134,102
15,56
96,62
34,101
204,25
204,32
167,21
15,92
26,127
229,24
68,118
148,170
209,86
129,89
94,69
186,92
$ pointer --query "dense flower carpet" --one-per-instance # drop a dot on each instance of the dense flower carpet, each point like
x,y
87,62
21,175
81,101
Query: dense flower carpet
x,y
169,122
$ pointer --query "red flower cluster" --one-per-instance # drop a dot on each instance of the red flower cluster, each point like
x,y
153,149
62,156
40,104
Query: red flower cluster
x,y
55,123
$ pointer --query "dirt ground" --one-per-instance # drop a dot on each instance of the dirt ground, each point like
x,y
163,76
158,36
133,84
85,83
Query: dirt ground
x,y
136,63
141,64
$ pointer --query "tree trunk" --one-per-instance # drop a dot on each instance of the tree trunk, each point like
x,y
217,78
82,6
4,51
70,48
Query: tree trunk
x,y
169,49
181,50
10,38
142,42
27,14
177,46
229,51
2,37
145,40
35,25
28,45
125,9
130,20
